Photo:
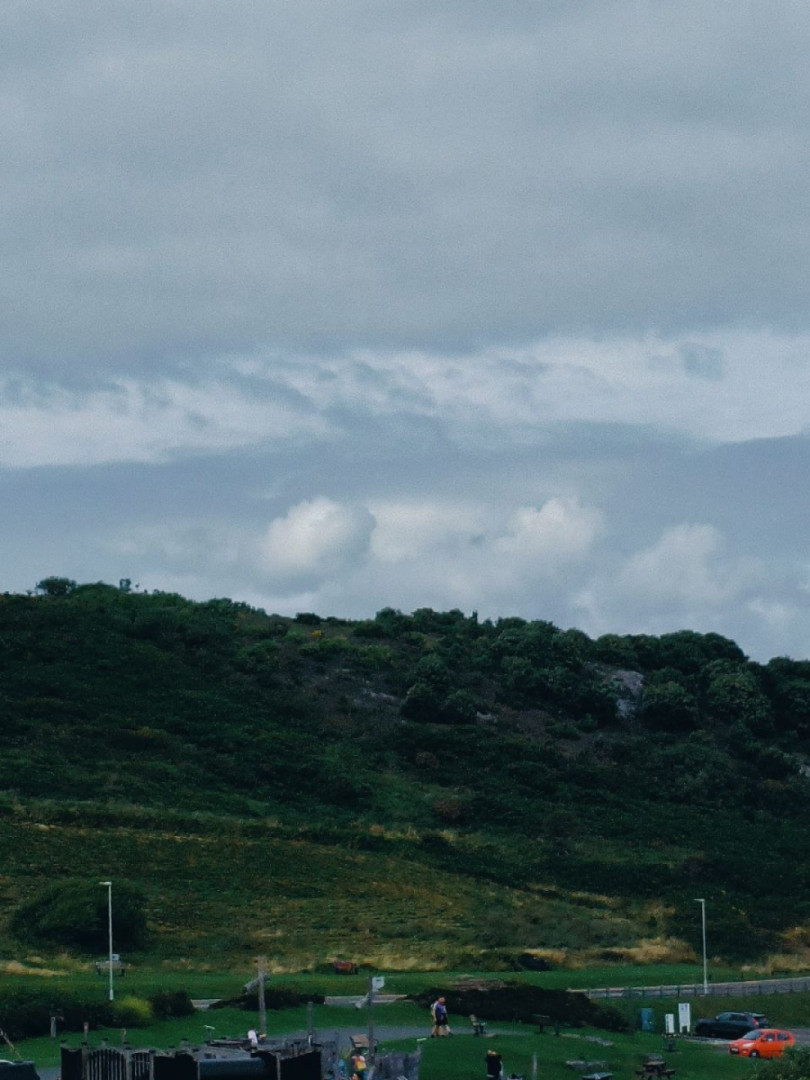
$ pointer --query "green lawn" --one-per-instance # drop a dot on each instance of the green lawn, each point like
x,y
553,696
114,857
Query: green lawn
x,y
461,1058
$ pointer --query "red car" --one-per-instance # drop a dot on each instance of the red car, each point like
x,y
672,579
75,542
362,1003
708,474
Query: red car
x,y
764,1043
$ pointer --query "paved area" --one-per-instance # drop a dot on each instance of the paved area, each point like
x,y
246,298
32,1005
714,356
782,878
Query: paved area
x,y
383,1033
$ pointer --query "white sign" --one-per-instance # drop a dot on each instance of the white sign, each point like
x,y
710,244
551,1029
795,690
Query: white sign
x,y
377,982
684,1017
669,1023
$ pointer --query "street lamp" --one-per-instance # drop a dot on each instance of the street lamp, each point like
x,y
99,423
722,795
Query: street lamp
x,y
702,902
109,928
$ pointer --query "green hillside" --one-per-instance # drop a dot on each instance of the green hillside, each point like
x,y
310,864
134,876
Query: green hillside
x,y
408,790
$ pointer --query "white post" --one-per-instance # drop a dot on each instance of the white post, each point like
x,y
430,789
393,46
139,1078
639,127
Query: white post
x,y
109,933
371,1021
702,902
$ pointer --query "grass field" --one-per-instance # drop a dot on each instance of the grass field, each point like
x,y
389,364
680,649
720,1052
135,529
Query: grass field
x,y
457,1059
463,1059
460,1058
199,982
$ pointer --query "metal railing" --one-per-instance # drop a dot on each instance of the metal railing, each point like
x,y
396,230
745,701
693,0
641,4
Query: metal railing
x,y
746,988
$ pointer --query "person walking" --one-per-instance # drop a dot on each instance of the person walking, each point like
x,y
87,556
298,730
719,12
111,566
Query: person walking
x,y
494,1065
438,1011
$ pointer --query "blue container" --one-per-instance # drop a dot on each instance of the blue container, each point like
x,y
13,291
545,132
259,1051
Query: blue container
x,y
646,1020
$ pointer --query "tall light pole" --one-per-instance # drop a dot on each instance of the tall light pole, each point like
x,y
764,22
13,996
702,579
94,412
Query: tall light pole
x,y
109,933
702,902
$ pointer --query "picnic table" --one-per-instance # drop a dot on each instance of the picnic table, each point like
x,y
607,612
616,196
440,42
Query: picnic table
x,y
654,1066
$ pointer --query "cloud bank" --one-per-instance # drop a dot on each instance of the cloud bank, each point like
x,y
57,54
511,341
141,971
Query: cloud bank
x,y
338,306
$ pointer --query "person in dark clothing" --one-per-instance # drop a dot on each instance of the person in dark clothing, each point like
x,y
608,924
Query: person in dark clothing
x,y
438,1011
494,1065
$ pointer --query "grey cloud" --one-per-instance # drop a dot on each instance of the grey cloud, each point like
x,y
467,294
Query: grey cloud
x,y
190,182
701,360
251,190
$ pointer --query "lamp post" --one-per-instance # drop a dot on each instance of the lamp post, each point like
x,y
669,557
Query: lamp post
x,y
109,934
702,902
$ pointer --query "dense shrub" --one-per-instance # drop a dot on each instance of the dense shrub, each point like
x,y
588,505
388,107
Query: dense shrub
x,y
27,1013
275,997
131,1011
516,1002
167,1004
73,914
793,1065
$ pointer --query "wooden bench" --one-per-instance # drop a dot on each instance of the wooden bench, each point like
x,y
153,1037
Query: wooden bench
x,y
541,1022
479,1026
103,967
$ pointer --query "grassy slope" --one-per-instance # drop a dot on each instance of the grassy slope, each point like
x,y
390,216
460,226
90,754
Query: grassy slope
x,y
223,893
256,778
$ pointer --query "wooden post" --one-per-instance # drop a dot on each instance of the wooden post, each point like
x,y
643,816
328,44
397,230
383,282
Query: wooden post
x,y
310,1023
261,962
534,1066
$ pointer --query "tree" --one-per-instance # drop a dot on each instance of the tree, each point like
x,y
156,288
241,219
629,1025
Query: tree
x,y
56,586
73,914
668,706
737,696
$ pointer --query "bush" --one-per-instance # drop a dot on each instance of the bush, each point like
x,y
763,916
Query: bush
x,y
517,1002
167,1004
794,1065
275,997
131,1011
73,914
27,1013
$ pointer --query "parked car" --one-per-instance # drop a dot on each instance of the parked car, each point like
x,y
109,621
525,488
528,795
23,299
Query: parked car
x,y
763,1043
731,1025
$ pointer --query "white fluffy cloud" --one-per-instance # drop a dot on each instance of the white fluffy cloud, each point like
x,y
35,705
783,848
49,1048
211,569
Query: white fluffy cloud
x,y
552,535
685,570
414,529
687,578
315,538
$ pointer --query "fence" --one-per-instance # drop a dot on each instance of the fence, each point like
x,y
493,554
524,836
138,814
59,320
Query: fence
x,y
747,988
284,1059
112,1064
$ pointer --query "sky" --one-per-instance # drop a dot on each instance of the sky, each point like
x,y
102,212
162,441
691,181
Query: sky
x,y
336,305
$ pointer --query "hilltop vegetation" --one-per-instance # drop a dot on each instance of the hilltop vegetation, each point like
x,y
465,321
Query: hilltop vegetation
x,y
409,789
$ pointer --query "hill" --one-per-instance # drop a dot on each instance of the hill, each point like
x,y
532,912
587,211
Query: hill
x,y
408,790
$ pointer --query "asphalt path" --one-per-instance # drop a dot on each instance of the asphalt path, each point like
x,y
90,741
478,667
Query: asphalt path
x,y
387,1033
383,1033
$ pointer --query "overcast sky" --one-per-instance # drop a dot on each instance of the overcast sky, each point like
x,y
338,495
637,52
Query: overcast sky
x,y
332,305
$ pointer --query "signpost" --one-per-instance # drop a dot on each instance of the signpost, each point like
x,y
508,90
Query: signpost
x,y
375,983
261,963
